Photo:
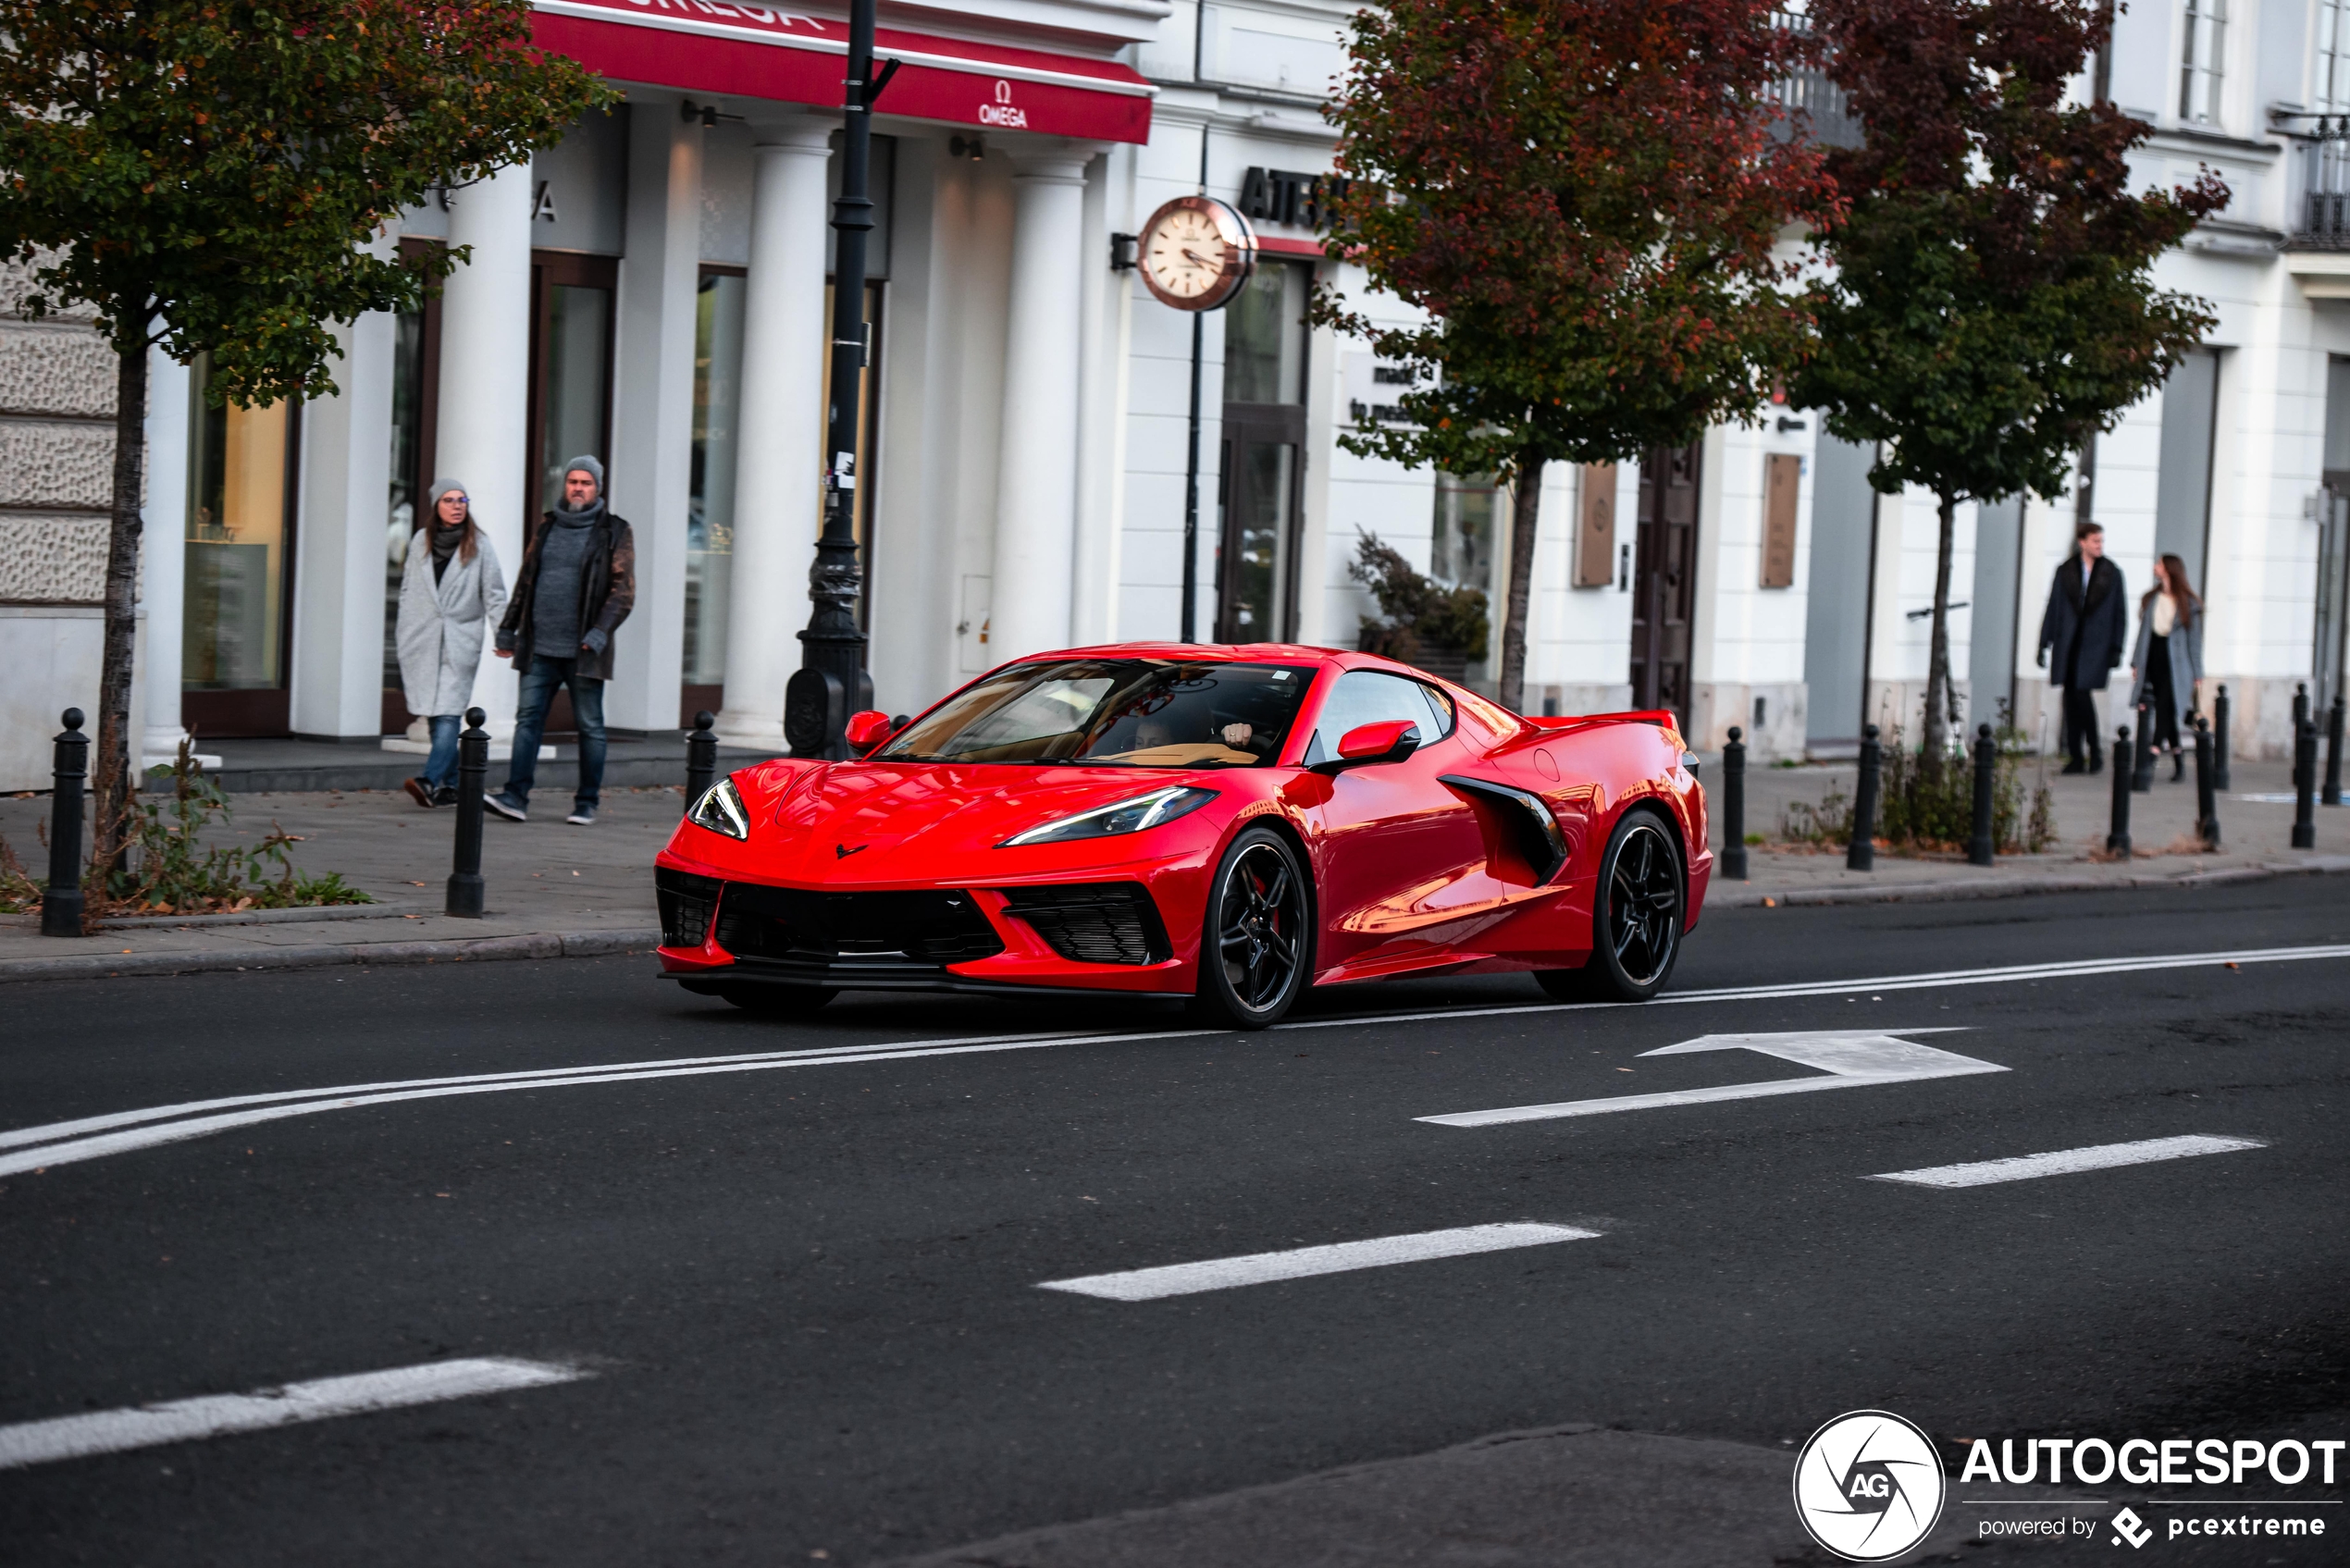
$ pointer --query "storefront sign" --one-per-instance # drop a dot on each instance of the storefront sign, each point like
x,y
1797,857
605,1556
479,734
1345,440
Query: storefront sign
x,y
1279,195
754,51
1372,385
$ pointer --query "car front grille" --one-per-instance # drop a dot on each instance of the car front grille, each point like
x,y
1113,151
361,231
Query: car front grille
x,y
686,901
796,924
1106,923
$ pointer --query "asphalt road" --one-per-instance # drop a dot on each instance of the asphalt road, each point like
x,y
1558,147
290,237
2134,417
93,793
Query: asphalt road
x,y
807,1296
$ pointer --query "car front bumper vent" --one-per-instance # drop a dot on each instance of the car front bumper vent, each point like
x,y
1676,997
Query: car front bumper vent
x,y
802,926
686,902
1109,922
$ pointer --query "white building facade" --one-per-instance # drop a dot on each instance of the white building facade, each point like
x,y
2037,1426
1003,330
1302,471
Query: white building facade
x,y
654,290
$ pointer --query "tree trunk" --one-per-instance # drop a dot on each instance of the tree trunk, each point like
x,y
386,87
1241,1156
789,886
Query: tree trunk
x,y
1526,509
110,778
1935,743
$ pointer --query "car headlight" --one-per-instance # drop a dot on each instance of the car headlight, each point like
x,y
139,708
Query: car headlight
x,y
1155,810
720,810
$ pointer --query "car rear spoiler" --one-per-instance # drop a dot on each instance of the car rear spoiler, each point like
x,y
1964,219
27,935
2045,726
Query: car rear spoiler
x,y
1663,718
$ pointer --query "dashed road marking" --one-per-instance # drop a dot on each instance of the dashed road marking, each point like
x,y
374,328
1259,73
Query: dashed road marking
x,y
2065,1162
213,1416
1304,1263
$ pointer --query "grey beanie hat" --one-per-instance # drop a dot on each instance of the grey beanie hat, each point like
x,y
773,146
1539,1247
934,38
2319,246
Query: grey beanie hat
x,y
593,465
441,488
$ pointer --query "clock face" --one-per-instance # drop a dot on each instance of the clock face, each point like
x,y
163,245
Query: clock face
x,y
1195,252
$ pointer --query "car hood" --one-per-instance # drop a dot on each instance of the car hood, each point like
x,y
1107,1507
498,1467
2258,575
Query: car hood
x,y
890,822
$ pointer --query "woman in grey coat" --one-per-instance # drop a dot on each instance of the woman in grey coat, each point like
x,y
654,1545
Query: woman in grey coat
x,y
2168,659
450,592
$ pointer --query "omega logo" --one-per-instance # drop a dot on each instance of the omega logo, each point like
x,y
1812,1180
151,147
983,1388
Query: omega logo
x,y
1001,114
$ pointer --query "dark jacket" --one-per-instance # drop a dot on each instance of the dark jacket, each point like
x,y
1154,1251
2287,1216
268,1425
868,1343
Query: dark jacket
x,y
606,592
2086,632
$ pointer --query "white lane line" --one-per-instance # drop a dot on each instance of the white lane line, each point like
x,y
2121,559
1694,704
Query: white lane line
x,y
213,1416
1851,1057
2065,1162
64,1144
1303,1262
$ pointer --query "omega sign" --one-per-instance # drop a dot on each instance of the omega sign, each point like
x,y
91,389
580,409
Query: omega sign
x,y
1002,114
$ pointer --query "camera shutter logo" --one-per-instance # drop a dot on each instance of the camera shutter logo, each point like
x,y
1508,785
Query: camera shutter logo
x,y
1869,1486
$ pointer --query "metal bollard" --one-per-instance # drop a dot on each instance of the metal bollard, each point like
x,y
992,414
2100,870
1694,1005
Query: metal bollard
x,y
2300,704
2219,740
701,758
472,776
2142,774
1861,854
1734,807
2332,794
61,904
2117,838
2206,804
2305,786
1983,844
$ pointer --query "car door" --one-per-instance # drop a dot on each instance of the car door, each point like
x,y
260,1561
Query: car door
x,y
1394,839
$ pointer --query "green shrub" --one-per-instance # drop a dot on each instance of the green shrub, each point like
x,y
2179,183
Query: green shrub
x,y
171,872
1927,809
1419,614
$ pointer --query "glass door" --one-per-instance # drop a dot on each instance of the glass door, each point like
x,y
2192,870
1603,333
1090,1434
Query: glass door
x,y
239,539
1262,489
416,385
710,506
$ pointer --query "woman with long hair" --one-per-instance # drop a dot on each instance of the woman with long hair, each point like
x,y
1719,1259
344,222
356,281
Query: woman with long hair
x,y
450,592
2168,660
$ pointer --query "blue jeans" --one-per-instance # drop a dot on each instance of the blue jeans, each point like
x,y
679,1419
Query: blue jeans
x,y
538,684
440,768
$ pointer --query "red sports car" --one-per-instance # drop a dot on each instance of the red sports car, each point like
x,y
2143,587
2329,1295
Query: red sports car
x,y
1227,825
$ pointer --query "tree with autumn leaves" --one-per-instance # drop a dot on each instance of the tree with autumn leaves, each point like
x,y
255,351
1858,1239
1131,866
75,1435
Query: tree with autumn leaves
x,y
1584,200
1589,203
209,175
1990,307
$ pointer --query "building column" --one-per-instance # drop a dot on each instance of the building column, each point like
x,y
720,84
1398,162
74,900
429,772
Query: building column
x,y
1036,483
163,559
482,430
652,414
339,549
779,473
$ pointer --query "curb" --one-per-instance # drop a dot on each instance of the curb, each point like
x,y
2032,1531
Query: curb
x,y
1733,895
486,949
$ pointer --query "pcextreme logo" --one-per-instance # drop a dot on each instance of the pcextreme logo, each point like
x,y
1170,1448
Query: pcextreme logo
x,y
1869,1486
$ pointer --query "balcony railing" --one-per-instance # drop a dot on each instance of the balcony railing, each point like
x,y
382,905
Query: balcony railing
x,y
2322,213
1825,107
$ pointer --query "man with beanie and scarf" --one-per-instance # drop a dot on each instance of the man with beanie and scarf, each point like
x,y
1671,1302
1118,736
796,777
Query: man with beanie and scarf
x,y
577,583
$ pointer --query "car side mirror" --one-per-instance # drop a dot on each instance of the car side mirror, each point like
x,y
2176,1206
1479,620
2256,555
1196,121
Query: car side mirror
x,y
867,730
1389,741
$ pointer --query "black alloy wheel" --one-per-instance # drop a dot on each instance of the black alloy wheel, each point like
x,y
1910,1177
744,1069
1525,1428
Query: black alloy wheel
x,y
1637,916
778,1001
1257,947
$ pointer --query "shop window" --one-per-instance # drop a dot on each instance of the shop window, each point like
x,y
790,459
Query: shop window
x,y
1468,515
2203,61
710,508
415,378
571,394
1265,337
239,543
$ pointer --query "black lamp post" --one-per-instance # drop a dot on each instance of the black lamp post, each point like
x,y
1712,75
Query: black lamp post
x,y
831,682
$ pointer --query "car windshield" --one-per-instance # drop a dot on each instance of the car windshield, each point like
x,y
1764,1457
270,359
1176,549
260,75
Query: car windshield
x,y
1122,713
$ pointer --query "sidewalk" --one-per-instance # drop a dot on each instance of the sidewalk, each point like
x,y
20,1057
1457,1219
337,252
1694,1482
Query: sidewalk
x,y
556,890
2255,829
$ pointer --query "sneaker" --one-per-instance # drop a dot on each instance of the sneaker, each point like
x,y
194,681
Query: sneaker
x,y
582,816
445,796
419,791
2075,767
506,806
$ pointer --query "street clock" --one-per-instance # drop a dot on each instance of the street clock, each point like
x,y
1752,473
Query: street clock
x,y
1195,252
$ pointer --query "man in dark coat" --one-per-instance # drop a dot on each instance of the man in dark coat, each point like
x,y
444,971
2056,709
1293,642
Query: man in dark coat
x,y
577,583
2087,619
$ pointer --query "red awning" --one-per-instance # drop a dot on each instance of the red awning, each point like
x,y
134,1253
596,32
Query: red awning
x,y
728,48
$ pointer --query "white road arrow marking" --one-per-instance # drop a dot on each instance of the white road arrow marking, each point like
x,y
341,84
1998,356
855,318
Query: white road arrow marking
x,y
1851,1057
